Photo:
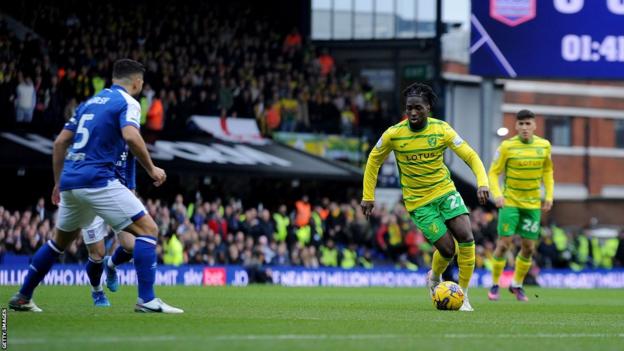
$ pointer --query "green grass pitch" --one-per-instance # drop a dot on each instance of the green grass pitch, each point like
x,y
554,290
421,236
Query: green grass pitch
x,y
281,318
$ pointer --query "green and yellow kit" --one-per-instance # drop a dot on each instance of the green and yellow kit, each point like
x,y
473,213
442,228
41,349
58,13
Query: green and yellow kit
x,y
428,191
525,165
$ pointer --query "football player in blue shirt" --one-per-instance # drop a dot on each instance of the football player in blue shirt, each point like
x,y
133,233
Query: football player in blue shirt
x,y
86,185
95,234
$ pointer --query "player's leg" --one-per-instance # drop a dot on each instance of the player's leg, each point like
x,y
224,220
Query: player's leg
x,y
429,221
508,218
503,244
40,265
95,268
144,254
70,219
123,211
461,230
442,257
523,264
122,254
529,231
93,237
455,213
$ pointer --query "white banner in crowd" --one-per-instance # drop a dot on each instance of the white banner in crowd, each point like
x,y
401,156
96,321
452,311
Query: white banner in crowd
x,y
241,130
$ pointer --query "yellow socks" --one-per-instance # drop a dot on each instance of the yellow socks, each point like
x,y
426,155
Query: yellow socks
x,y
523,264
498,265
439,264
466,263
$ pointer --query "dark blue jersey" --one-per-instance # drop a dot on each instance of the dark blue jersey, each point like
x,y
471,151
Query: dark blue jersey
x,y
98,142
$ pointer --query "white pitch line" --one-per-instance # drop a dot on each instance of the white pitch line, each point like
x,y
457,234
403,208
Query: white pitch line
x,y
535,336
311,337
278,337
97,339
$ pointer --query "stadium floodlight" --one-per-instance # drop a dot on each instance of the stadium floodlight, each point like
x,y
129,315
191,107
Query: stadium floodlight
x,y
502,131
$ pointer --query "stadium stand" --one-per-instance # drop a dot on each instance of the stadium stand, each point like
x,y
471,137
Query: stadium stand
x,y
220,61
227,232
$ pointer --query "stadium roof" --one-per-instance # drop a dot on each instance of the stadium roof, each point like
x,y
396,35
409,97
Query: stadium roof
x,y
199,155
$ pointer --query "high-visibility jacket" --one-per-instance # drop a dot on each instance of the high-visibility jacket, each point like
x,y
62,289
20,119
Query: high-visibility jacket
x,y
348,258
155,115
582,250
365,263
144,109
560,239
281,226
98,84
329,257
173,252
304,212
603,254
304,234
318,224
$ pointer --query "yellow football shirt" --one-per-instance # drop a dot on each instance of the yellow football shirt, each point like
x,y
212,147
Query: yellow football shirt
x,y
525,166
420,159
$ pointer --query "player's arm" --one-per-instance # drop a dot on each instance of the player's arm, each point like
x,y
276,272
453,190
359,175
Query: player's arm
x,y
466,153
137,146
62,142
129,122
375,159
549,182
498,164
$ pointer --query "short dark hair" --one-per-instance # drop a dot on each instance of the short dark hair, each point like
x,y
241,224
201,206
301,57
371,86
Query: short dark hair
x,y
422,90
524,114
124,68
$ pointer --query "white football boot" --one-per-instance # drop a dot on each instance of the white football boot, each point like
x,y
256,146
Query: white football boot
x,y
466,306
155,306
22,304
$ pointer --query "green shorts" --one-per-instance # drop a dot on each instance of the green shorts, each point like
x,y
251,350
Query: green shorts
x,y
514,220
430,218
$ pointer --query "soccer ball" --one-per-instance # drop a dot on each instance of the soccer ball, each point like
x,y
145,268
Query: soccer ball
x,y
448,296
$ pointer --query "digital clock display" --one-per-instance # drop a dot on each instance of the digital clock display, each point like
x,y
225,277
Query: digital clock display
x,y
585,48
548,38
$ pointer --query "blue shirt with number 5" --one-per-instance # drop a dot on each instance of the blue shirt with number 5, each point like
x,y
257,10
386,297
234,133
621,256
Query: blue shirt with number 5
x,y
98,143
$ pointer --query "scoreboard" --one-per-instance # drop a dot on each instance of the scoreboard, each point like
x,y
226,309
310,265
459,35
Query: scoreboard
x,y
547,38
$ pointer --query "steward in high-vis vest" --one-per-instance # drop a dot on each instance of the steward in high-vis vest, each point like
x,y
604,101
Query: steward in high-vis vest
x,y
349,257
304,234
281,224
329,254
173,251
317,225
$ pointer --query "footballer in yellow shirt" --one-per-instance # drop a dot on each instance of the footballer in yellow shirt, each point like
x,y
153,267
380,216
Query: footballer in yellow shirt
x,y
429,193
525,160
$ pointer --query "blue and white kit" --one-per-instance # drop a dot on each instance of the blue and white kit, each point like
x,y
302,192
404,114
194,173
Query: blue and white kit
x,y
90,182
126,170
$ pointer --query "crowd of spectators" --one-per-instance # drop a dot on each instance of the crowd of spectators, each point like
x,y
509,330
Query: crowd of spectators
x,y
225,60
207,59
323,234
